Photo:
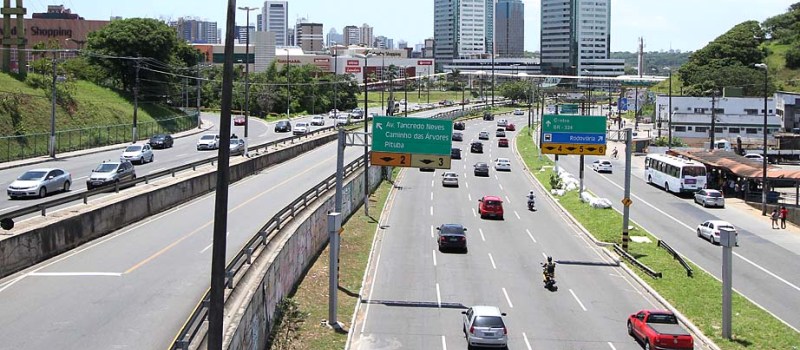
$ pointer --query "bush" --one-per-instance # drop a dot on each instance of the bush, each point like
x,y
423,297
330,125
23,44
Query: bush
x,y
793,57
555,181
663,141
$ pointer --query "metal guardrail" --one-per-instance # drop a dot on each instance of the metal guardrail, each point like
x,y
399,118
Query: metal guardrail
x,y
635,262
9,217
676,256
243,259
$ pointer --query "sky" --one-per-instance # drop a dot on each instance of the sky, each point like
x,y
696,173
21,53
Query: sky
x,y
684,25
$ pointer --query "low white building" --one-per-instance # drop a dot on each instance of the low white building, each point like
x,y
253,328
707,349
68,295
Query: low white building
x,y
788,109
735,117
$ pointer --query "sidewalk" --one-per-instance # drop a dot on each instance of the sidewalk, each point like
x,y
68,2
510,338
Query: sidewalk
x,y
205,125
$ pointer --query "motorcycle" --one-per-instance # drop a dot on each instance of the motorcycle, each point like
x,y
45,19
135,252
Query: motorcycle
x,y
531,203
549,279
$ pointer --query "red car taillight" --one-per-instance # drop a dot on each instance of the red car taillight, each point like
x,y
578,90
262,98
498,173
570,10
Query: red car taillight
x,y
472,330
505,331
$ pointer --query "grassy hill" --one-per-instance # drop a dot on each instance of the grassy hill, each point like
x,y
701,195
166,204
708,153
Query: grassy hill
x,y
87,115
786,79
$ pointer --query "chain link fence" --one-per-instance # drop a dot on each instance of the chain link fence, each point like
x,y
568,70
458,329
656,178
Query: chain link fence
x,y
35,145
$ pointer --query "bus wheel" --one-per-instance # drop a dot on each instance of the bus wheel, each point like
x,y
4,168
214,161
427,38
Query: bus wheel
x,y
666,187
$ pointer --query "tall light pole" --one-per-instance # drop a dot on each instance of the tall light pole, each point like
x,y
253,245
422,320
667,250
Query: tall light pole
x,y
335,83
405,90
669,112
383,85
247,77
365,56
764,154
712,132
288,86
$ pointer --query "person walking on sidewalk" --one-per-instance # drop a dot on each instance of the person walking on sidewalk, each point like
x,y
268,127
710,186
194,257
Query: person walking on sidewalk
x,y
774,217
783,214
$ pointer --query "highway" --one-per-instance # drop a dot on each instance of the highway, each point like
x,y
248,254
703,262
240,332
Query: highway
x,y
416,294
764,265
134,288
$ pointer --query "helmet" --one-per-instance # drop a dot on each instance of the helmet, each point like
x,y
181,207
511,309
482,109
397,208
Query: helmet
x,y
531,192
549,259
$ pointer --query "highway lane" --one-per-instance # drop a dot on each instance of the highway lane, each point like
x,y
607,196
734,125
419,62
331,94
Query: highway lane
x,y
764,264
418,292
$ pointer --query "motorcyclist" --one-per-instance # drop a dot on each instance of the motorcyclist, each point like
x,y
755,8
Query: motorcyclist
x,y
549,267
614,153
531,199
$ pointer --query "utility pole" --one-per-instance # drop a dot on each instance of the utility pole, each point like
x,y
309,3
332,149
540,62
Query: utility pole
x,y
53,110
136,101
626,200
199,89
247,78
713,118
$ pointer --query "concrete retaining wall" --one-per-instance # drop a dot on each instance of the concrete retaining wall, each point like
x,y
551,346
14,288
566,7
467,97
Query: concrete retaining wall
x,y
31,247
288,260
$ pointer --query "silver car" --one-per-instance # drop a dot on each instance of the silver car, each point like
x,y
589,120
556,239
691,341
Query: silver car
x,y
237,146
110,172
138,154
709,198
39,182
449,178
484,326
710,230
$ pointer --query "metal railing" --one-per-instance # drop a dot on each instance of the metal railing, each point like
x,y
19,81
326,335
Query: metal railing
x,y
35,145
243,259
676,256
84,196
636,262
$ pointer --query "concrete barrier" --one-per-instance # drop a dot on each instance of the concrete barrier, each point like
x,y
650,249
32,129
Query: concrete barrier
x,y
279,268
37,244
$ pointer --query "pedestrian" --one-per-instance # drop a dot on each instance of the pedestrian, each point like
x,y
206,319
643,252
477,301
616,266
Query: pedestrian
x,y
783,213
736,189
731,187
614,152
774,217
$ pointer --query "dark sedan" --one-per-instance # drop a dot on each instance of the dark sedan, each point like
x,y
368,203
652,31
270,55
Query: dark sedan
x,y
457,136
455,153
459,126
283,126
481,169
452,236
161,141
476,147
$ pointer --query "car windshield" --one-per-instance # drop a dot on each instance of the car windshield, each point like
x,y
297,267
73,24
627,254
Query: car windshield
x,y
235,141
694,171
157,137
32,175
488,321
451,229
207,137
662,318
300,125
105,168
133,149
481,165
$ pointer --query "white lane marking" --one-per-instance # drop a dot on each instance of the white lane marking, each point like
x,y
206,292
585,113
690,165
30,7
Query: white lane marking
x,y
431,183
466,184
431,195
482,236
434,257
12,282
492,260
432,229
444,344
434,174
438,296
17,206
508,299
71,274
212,244
495,177
790,284
530,235
431,210
508,199
180,155
372,289
517,214
157,170
527,343
578,300
79,178
465,165
501,187
473,213
611,346
544,255
465,175
468,196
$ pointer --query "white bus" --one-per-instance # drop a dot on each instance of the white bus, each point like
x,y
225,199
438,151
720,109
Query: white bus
x,y
677,175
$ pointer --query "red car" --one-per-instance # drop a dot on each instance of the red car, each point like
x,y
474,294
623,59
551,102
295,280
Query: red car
x,y
659,329
510,127
490,206
502,142
238,121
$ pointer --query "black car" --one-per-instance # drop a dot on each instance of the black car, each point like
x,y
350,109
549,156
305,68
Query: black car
x,y
481,169
488,116
476,147
457,136
459,126
455,153
283,126
452,236
161,141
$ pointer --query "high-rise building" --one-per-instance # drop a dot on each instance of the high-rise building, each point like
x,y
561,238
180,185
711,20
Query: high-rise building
x,y
309,36
489,23
380,42
291,40
333,38
427,49
402,45
460,29
259,23
390,44
366,38
196,31
576,38
275,18
241,33
509,28
351,35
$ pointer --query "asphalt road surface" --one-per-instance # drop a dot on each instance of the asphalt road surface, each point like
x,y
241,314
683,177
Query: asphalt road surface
x,y
417,294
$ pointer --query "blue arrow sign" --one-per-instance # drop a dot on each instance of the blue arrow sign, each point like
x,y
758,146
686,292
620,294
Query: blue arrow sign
x,y
585,139
622,104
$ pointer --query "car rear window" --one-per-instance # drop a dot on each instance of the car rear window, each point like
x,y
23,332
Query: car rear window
x,y
726,227
451,229
714,194
492,203
489,321
662,318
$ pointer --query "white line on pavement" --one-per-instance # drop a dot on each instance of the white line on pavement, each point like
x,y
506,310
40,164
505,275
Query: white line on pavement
x,y
434,257
157,170
444,344
371,289
517,214
481,232
473,213
79,178
71,274
17,206
465,175
431,183
431,210
432,229
466,184
465,165
612,346
438,296
527,343
495,177
501,187
434,174
578,300
530,235
469,196
508,199
544,255
492,259
180,155
508,299
431,195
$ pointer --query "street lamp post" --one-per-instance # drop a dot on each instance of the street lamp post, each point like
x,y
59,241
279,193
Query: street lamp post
x,y
365,56
383,84
712,132
764,154
669,112
405,90
247,77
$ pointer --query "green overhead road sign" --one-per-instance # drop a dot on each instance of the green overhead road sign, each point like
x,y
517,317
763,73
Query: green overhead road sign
x,y
412,135
574,124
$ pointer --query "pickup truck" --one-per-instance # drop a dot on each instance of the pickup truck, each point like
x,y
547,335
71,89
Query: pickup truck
x,y
659,329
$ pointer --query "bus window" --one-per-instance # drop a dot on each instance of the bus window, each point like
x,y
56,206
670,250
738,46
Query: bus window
x,y
694,171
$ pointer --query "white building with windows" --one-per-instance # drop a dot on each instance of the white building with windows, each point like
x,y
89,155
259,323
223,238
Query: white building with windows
x,y
275,17
735,117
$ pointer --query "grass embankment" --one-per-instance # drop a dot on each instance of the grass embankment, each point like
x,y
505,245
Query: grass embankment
x,y
312,293
104,115
698,297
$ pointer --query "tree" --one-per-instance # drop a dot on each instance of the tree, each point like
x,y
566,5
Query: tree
x,y
455,78
515,90
793,57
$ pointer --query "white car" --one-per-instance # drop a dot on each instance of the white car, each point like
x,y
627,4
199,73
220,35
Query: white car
x,y
518,112
709,198
342,120
138,153
334,113
318,120
300,128
602,165
208,141
484,326
502,123
483,135
754,156
502,164
449,178
710,230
